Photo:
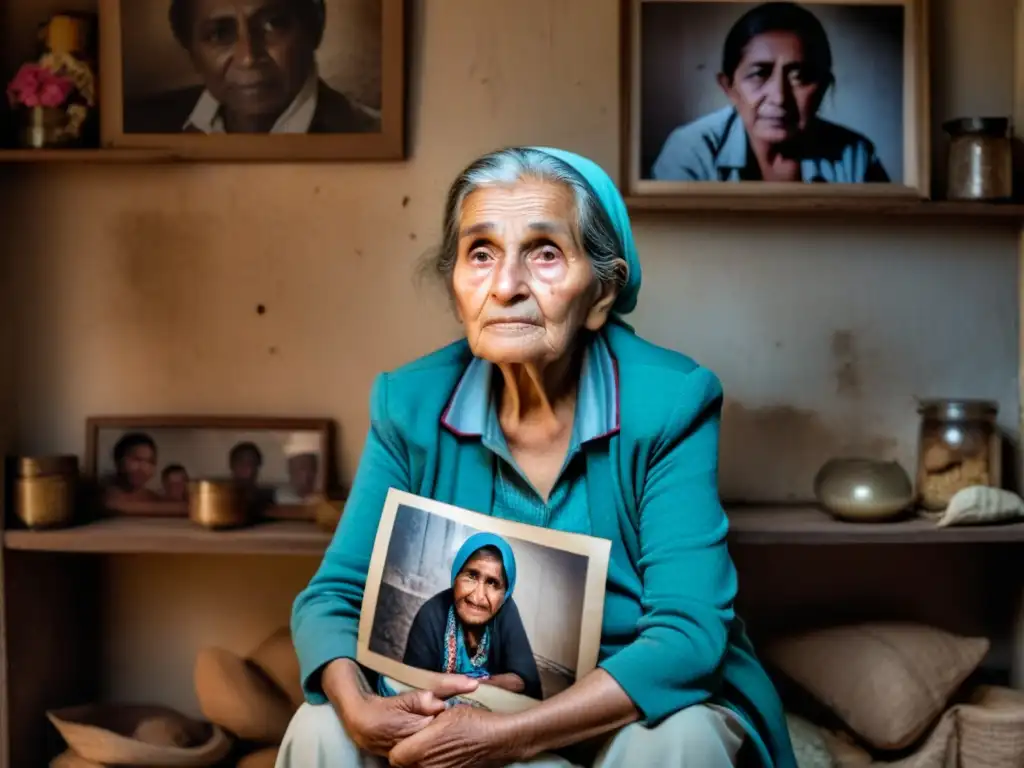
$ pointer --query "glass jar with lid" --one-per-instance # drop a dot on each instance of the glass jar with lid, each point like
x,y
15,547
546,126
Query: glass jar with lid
x,y
959,446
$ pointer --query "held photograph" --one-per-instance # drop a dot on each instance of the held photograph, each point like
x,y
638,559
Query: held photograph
x,y
453,591
267,78
738,98
143,466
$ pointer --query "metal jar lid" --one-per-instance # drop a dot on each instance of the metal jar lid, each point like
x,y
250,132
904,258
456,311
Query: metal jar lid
x,y
41,466
996,127
958,409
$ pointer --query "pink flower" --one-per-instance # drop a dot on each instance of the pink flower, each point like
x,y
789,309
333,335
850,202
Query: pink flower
x,y
54,92
35,86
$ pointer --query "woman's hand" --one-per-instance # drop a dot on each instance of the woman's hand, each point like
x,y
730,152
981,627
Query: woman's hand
x,y
461,737
378,723
510,681
381,722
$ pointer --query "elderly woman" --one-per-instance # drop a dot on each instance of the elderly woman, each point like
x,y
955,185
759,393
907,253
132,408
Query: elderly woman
x,y
551,412
776,70
473,628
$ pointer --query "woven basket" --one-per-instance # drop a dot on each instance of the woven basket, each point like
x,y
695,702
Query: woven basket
x,y
992,729
103,734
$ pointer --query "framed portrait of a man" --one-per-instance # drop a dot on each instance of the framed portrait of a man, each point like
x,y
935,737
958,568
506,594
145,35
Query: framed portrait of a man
x,y
254,80
731,97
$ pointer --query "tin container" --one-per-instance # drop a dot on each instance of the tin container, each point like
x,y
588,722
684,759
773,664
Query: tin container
x,y
46,490
217,504
980,159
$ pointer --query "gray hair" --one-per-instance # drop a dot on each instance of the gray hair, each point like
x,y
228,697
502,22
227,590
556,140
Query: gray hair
x,y
598,237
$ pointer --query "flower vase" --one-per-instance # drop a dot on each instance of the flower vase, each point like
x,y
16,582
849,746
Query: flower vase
x,y
43,127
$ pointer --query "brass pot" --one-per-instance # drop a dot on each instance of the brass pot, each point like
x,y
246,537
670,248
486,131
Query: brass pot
x,y
46,491
217,504
859,489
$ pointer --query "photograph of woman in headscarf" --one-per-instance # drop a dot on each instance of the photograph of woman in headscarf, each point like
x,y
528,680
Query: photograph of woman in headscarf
x,y
455,597
473,627
781,96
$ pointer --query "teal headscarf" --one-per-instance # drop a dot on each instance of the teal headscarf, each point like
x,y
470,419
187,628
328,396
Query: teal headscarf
x,y
480,540
611,200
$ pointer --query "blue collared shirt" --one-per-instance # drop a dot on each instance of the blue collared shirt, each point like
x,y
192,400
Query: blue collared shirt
x,y
473,412
715,148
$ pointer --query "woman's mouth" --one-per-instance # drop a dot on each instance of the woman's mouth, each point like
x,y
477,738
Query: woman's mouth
x,y
475,610
511,327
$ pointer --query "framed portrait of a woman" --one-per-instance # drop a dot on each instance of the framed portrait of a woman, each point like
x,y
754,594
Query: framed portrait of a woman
x,y
776,98
260,80
451,591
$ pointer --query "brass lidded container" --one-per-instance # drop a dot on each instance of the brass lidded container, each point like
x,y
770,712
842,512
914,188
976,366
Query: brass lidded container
x,y
46,491
959,446
217,504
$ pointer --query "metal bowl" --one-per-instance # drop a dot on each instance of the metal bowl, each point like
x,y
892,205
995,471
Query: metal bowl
x,y
863,490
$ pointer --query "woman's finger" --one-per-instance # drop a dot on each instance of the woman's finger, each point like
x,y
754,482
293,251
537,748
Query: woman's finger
x,y
408,751
454,685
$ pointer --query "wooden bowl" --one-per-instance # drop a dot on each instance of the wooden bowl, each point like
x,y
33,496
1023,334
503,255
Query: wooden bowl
x,y
103,734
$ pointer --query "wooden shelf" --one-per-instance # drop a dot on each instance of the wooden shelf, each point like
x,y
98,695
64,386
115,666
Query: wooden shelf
x,y
85,156
809,525
750,526
895,208
124,535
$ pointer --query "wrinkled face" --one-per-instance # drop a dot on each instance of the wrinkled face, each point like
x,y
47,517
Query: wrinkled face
x,y
522,284
245,468
138,466
772,90
302,473
479,589
253,55
176,485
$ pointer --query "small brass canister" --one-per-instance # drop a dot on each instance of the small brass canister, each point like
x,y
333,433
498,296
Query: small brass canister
x,y
46,491
217,504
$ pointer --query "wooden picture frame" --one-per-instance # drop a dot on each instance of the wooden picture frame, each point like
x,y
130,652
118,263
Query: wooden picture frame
x,y
683,134
271,435
561,577
330,126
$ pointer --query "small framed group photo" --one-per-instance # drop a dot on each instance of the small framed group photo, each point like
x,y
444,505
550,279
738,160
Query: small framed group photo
x,y
453,591
261,80
796,98
144,465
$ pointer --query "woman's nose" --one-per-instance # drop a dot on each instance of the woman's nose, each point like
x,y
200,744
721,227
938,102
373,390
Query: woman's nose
x,y
509,282
777,88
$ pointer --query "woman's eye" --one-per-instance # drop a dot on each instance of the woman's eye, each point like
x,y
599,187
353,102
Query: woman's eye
x,y
759,74
547,255
480,255
798,76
